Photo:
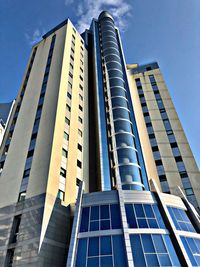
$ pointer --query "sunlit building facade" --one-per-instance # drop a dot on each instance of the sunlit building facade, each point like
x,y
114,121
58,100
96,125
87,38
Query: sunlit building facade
x,y
75,187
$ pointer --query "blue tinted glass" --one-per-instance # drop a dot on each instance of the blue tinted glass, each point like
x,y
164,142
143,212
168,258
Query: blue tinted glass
x,y
158,217
191,257
91,262
183,226
171,250
105,212
148,211
94,213
106,261
94,226
119,251
137,251
152,260
142,223
93,248
184,216
164,260
139,210
106,248
193,246
147,244
177,214
84,220
115,216
130,216
81,253
197,258
153,223
159,244
105,224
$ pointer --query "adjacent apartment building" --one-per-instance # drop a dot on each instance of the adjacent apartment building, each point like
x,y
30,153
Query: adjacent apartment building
x,y
80,186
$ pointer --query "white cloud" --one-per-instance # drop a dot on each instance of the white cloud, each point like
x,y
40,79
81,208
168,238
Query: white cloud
x,y
88,9
35,36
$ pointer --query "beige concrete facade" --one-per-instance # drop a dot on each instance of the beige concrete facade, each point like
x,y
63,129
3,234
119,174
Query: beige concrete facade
x,y
69,55
171,171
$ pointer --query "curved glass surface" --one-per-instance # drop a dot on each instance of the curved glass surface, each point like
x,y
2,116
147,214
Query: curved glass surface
x,y
122,126
110,51
117,91
124,140
113,65
119,102
112,58
115,73
129,173
119,113
126,155
116,82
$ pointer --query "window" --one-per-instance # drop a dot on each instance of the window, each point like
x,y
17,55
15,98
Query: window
x,y
81,61
22,196
64,153
15,229
158,162
70,85
80,107
153,250
79,163
101,217
30,153
70,75
80,97
67,121
148,68
72,58
81,78
81,87
68,107
151,136
69,95
192,247
73,36
61,194
183,174
66,136
79,147
78,181
144,216
81,69
101,251
189,191
178,159
163,178
180,219
63,172
26,173
155,148
74,30
80,132
80,119
10,257
72,50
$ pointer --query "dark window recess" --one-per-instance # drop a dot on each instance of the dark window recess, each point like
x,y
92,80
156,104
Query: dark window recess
x,y
149,124
80,120
173,145
151,136
26,173
169,132
10,257
158,162
144,104
81,87
68,107
33,136
148,68
80,107
79,163
163,178
61,194
155,148
81,78
70,85
15,229
141,95
22,196
69,95
64,153
30,153
178,159
183,174
80,132
139,87
72,58
67,121
73,37
78,181
79,147
146,114
70,74
72,50
63,172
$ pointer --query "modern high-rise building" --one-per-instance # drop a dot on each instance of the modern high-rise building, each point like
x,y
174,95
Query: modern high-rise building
x,y
78,187
174,161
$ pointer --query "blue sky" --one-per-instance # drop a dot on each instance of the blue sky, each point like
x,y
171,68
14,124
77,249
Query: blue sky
x,y
165,31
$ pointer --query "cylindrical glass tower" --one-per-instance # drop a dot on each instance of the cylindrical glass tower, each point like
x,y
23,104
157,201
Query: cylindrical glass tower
x,y
123,152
